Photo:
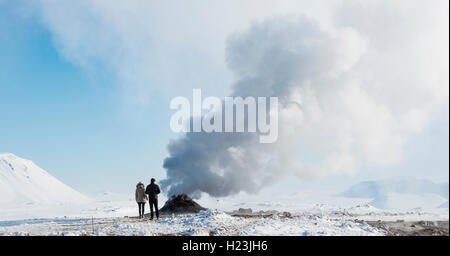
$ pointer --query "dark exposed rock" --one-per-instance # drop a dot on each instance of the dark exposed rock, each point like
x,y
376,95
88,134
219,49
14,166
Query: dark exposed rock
x,y
245,210
181,203
249,213
412,228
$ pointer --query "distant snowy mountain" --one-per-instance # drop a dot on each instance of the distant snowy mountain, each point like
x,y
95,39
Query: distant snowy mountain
x,y
23,182
444,205
401,192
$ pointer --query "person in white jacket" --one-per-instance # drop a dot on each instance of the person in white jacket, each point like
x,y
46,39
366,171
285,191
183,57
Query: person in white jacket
x,y
141,198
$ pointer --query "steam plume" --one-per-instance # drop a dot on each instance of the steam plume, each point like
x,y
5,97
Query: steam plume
x,y
327,110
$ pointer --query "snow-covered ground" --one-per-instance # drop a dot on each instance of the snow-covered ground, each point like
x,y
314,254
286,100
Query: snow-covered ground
x,y
204,223
114,214
107,217
35,203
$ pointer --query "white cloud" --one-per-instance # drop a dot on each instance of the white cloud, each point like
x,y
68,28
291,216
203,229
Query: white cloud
x,y
155,45
364,75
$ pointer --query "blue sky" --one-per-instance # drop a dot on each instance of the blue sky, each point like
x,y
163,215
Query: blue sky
x,y
83,126
70,122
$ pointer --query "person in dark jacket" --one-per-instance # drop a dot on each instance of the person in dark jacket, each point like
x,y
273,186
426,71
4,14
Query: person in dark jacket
x,y
152,191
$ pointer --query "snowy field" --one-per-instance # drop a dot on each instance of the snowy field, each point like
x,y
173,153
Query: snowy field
x,y
204,223
35,203
117,217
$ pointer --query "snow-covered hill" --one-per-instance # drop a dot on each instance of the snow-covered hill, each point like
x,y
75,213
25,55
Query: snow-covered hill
x,y
444,205
23,182
401,192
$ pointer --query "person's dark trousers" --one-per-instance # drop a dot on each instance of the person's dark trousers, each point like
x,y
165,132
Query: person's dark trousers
x,y
141,209
154,203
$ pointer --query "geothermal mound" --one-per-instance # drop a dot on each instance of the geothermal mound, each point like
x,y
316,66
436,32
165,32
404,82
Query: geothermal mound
x,y
181,204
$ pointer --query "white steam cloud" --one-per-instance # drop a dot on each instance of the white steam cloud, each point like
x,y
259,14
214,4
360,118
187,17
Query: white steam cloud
x,y
353,87
331,106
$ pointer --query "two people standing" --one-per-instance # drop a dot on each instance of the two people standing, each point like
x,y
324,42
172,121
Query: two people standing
x,y
151,194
